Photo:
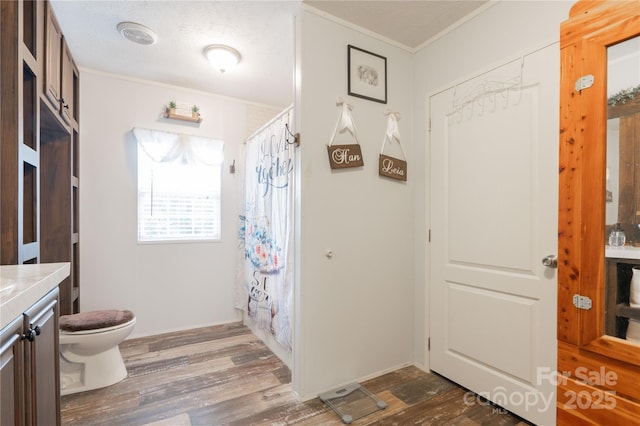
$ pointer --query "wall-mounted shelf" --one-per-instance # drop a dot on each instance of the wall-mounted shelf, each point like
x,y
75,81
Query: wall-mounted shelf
x,y
190,119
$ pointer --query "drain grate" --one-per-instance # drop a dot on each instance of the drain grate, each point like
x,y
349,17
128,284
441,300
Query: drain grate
x,y
352,402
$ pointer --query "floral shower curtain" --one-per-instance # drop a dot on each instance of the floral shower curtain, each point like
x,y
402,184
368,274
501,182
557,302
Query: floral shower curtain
x,y
264,284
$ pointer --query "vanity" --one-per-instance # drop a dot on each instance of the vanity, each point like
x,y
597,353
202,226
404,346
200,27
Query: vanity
x,y
29,360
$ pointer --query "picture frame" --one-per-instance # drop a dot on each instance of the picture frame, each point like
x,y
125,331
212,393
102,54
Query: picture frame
x,y
366,74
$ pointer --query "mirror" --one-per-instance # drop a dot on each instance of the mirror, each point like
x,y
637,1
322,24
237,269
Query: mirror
x,y
622,186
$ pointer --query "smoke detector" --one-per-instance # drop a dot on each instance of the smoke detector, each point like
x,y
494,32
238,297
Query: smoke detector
x,y
137,33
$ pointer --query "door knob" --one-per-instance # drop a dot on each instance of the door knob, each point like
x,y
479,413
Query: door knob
x,y
550,261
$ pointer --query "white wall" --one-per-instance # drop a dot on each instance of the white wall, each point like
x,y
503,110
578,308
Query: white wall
x,y
363,312
502,31
168,286
354,311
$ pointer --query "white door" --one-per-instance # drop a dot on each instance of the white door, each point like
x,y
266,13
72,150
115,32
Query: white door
x,y
494,179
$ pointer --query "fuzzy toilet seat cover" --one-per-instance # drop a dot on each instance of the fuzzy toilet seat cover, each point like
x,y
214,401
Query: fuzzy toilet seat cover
x,y
94,320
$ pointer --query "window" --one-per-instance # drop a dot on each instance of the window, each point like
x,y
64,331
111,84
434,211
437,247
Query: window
x,y
178,187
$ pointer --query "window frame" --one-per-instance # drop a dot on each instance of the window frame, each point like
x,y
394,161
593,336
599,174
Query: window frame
x,y
149,164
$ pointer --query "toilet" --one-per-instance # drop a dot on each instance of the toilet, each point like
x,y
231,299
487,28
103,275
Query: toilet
x,y
89,353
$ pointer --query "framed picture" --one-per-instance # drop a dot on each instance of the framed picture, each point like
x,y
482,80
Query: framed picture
x,y
367,74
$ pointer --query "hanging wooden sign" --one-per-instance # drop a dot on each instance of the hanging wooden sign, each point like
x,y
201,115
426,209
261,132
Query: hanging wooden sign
x,y
392,167
344,156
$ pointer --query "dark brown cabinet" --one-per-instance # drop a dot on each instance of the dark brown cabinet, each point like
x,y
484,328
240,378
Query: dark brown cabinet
x,y
29,366
52,58
67,86
59,144
42,361
39,185
9,125
12,374
60,71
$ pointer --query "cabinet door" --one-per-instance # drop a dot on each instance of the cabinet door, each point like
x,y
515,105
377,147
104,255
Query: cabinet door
x,y
12,374
53,46
43,361
66,103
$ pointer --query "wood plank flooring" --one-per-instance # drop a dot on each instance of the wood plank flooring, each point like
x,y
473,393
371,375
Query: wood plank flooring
x,y
224,375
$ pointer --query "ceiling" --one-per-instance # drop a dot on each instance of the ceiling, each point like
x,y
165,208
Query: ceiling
x,y
263,32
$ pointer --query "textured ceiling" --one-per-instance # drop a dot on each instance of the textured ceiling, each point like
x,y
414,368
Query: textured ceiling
x,y
410,23
263,31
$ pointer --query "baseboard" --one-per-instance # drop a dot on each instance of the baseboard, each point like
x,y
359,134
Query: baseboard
x,y
422,367
135,335
357,380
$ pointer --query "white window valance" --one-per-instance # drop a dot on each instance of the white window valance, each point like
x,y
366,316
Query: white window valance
x,y
188,149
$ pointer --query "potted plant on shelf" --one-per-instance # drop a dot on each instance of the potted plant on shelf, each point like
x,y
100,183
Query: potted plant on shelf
x,y
195,111
171,109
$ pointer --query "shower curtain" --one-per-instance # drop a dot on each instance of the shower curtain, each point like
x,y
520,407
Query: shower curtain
x,y
264,283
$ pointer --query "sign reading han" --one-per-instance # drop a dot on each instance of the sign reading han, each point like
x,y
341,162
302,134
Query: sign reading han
x,y
344,156
392,167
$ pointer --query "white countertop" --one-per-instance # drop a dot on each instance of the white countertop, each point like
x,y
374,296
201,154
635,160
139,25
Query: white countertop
x,y
23,285
624,252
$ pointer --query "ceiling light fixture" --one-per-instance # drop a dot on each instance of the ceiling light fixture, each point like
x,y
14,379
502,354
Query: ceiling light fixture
x,y
137,33
223,58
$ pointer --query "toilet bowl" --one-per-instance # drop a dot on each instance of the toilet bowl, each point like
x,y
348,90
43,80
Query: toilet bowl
x,y
89,353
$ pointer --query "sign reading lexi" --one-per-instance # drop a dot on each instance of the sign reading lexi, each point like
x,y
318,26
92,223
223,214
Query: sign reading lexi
x,y
392,167
344,156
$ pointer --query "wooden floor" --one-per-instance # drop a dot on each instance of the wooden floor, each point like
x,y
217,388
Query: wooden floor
x,y
224,375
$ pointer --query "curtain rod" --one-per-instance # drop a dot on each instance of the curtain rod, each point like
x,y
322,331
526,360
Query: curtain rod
x,y
268,123
191,135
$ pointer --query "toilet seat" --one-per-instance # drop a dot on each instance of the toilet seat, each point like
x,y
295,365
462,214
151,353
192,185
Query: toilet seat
x,y
98,330
95,321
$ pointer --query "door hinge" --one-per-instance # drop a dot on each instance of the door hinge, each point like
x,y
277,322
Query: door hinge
x,y
582,302
428,343
584,82
429,235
